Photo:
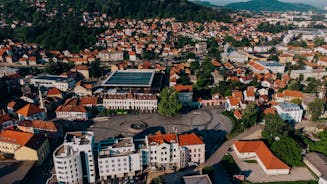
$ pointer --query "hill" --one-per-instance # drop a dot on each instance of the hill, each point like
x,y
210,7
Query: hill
x,y
270,5
62,30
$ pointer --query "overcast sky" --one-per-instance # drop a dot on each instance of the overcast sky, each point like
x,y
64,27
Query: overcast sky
x,y
318,3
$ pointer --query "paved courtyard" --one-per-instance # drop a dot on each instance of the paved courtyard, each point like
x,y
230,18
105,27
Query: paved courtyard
x,y
255,174
201,119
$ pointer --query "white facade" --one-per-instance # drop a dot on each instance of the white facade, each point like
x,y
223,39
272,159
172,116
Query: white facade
x,y
49,81
289,112
196,153
72,115
68,158
118,158
67,164
273,66
142,102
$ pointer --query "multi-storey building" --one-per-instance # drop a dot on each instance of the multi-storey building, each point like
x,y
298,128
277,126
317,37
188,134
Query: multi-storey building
x,y
74,158
289,112
118,158
194,146
129,101
164,151
62,83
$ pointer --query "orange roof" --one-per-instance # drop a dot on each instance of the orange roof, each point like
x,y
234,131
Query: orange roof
x,y
263,153
189,139
89,101
269,111
233,101
54,91
237,94
15,137
162,138
82,67
216,63
250,93
4,118
42,125
237,114
293,93
29,110
323,58
183,88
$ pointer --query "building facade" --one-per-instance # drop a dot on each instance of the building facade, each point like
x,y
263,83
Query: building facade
x,y
129,101
73,155
289,112
118,158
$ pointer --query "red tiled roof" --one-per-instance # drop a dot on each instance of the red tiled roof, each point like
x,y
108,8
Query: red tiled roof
x,y
263,153
183,88
293,93
237,114
162,138
233,101
37,124
54,91
29,110
189,139
15,137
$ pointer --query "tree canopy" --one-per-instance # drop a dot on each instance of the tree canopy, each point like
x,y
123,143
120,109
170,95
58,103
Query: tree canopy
x,y
288,150
316,108
249,116
169,104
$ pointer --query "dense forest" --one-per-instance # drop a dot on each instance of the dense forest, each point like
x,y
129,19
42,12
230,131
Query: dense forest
x,y
63,31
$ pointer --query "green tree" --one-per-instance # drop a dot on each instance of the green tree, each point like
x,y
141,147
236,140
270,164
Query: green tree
x,y
288,150
249,116
318,146
95,69
274,126
156,180
316,108
195,66
297,101
273,57
169,104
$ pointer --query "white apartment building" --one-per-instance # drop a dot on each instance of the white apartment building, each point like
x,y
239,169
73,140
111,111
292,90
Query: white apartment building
x,y
289,112
163,150
72,155
62,83
129,101
118,158
194,146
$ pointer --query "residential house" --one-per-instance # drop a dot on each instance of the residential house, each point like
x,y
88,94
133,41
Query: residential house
x,y
24,146
31,112
72,110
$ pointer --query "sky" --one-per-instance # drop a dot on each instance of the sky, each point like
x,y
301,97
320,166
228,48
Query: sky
x,y
317,3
